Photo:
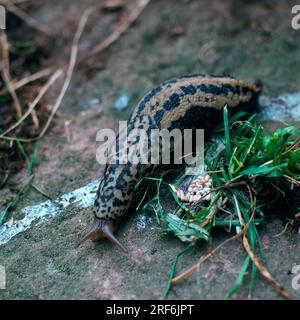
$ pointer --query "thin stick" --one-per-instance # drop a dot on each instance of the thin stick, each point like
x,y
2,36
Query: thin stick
x,y
27,18
33,77
71,65
6,72
32,105
35,119
196,266
72,62
263,270
121,28
289,223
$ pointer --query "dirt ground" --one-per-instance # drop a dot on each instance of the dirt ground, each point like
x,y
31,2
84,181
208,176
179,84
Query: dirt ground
x,y
250,40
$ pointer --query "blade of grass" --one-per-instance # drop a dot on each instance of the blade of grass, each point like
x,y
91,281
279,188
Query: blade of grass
x,y
226,132
239,280
173,270
12,204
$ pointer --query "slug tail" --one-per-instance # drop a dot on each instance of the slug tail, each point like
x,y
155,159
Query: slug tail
x,y
101,229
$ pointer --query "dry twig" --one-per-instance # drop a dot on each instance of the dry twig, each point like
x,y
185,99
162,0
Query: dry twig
x,y
6,72
26,17
71,66
121,28
67,80
196,266
32,105
263,270
33,77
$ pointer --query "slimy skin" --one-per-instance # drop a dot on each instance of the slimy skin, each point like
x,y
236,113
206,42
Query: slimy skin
x,y
194,101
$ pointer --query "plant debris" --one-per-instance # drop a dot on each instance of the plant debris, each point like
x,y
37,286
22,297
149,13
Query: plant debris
x,y
251,172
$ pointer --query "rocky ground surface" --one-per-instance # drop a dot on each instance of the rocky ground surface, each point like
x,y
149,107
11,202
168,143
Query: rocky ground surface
x,y
251,40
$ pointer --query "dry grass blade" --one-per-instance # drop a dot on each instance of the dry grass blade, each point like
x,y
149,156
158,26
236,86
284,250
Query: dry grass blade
x,y
5,70
27,18
122,28
33,77
35,119
71,66
294,146
263,270
290,223
196,266
32,105
238,211
67,80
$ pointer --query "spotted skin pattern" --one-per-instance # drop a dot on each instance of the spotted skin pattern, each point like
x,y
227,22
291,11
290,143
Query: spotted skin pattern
x,y
186,102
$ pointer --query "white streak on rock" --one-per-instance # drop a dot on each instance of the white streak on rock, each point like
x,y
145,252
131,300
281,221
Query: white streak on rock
x,y
82,198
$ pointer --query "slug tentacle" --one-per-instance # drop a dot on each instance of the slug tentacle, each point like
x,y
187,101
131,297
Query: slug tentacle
x,y
102,229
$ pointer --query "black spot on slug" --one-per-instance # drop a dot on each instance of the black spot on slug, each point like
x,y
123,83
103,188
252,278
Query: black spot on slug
x,y
197,117
172,102
189,90
148,97
219,90
159,116
120,203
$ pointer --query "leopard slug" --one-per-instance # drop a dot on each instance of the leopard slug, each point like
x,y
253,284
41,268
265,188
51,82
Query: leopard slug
x,y
185,102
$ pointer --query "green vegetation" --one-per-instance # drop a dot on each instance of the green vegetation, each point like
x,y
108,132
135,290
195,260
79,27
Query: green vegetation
x,y
250,172
30,164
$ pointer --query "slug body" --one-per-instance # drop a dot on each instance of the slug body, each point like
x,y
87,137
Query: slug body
x,y
188,102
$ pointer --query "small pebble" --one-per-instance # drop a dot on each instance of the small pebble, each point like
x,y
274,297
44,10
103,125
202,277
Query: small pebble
x,y
121,103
